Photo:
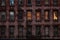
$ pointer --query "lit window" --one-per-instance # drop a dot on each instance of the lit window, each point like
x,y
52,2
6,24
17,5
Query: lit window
x,y
46,2
11,15
38,16
11,2
3,2
46,15
29,15
55,2
55,15
38,2
3,16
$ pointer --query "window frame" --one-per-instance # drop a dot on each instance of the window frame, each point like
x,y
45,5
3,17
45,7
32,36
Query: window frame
x,y
28,20
57,15
11,3
47,15
9,16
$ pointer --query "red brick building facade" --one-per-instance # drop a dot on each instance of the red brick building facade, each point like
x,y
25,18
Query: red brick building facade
x,y
37,19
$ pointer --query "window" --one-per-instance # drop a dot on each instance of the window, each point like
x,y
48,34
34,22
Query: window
x,y
20,2
55,2
46,15
20,15
38,31
11,2
29,31
3,31
55,30
46,30
11,31
3,2
29,15
20,31
55,15
38,2
3,16
29,3
11,15
47,2
38,15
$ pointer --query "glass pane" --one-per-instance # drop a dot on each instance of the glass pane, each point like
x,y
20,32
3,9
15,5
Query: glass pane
x,y
3,2
38,15
55,15
12,15
46,15
29,15
11,2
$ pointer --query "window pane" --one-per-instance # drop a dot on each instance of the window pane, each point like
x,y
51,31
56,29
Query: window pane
x,y
46,30
3,2
29,1
3,16
11,2
11,15
20,2
38,16
38,1
56,30
55,2
29,15
29,31
46,15
11,31
46,2
55,15
38,30
20,15
20,31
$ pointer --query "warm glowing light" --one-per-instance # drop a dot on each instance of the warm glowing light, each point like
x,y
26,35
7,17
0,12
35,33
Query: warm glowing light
x,y
46,14
29,15
55,16
38,15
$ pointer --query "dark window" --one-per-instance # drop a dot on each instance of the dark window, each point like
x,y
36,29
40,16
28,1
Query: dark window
x,y
3,31
55,15
3,16
3,2
20,15
46,15
38,31
38,15
29,2
11,31
47,2
55,30
55,2
12,16
20,31
46,30
29,31
38,2
11,2
20,2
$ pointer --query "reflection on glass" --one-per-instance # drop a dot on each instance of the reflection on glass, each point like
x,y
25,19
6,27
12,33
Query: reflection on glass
x,y
11,2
